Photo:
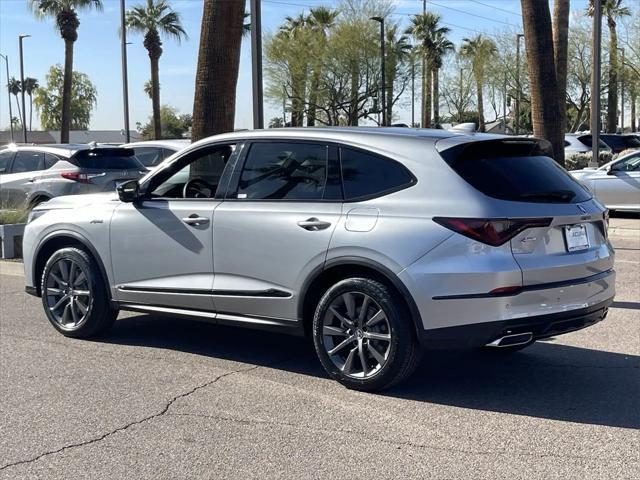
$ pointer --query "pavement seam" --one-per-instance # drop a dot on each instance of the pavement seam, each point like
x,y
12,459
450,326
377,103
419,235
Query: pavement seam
x,y
162,412
398,443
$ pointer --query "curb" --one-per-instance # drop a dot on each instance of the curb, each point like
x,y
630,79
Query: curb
x,y
13,269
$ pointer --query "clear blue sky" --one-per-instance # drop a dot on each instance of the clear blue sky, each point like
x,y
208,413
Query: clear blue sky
x,y
97,51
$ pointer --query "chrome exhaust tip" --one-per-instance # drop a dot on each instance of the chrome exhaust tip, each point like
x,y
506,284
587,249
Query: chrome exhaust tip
x,y
511,340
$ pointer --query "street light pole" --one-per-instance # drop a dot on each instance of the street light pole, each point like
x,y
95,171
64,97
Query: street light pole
x,y
382,66
24,115
125,81
413,91
256,64
6,62
622,92
461,103
596,40
517,112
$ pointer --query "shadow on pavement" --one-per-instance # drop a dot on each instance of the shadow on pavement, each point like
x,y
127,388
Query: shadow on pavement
x,y
547,380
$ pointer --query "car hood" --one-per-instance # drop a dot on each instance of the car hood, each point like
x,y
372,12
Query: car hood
x,y
75,201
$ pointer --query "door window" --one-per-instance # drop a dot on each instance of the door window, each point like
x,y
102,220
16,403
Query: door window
x,y
284,171
26,161
5,162
631,164
365,174
149,156
197,176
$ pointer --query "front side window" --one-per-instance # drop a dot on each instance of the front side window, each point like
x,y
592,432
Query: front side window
x,y
198,177
5,162
630,164
284,171
365,174
27,162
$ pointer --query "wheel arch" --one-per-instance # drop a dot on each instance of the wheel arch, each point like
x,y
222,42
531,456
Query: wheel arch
x,y
337,269
63,239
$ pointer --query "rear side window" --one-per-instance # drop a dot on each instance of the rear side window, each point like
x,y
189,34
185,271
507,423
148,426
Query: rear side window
x,y
107,159
50,160
367,175
516,172
5,161
284,171
149,156
26,161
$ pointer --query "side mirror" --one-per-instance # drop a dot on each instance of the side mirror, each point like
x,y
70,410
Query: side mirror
x,y
129,191
612,171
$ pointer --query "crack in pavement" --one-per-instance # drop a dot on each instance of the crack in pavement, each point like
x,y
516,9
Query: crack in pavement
x,y
398,443
131,424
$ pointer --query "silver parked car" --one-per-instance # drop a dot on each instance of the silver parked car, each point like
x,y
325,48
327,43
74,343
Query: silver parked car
x,y
30,175
376,242
153,152
616,184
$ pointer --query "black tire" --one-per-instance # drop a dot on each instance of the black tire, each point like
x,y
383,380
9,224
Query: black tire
x,y
98,315
401,352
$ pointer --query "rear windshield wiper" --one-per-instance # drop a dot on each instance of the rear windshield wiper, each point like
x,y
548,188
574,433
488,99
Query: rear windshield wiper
x,y
562,195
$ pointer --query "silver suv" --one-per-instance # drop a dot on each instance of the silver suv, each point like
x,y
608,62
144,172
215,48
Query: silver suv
x,y
30,175
375,242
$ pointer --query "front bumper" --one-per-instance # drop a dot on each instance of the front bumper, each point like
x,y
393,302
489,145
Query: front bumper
x,y
541,326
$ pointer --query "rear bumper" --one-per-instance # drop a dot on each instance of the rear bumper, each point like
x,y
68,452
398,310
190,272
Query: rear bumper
x,y
541,326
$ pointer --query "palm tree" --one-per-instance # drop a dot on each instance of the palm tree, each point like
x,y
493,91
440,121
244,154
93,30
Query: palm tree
x,y
148,89
214,103
30,85
613,10
425,28
153,19
397,50
320,21
66,14
479,50
441,47
543,84
15,87
295,28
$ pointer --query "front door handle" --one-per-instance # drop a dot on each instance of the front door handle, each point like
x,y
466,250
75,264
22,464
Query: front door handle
x,y
195,220
313,224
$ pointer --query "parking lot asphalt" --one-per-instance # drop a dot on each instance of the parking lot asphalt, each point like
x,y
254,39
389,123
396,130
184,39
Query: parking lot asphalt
x,y
170,398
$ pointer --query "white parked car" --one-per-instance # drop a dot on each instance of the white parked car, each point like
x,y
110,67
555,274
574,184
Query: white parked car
x,y
616,184
153,152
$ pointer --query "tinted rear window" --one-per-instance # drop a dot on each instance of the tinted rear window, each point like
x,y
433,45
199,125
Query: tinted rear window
x,y
620,142
521,173
107,159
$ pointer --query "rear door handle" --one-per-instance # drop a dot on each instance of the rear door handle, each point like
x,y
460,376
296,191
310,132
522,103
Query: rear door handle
x,y
313,224
195,220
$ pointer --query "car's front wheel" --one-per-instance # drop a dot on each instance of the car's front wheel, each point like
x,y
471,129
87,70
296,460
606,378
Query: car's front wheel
x,y
74,295
363,335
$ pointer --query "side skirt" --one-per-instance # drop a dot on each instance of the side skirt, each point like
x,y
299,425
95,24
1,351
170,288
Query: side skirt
x,y
290,327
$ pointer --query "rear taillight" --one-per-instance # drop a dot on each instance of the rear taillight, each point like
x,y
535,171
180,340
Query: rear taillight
x,y
492,231
81,177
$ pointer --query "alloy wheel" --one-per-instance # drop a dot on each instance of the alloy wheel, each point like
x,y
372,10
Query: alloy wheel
x,y
68,293
356,335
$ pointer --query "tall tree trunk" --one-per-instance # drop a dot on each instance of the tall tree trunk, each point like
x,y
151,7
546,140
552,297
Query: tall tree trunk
x,y
65,126
426,95
155,95
560,49
30,111
480,101
612,99
353,105
214,104
633,100
313,96
542,74
436,97
390,80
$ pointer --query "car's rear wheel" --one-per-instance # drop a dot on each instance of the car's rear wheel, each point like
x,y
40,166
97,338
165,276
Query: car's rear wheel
x,y
363,335
74,295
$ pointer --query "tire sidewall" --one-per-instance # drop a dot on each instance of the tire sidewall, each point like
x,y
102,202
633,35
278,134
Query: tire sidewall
x,y
96,303
398,323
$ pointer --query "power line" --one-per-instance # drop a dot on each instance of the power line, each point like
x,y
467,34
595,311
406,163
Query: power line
x,y
431,2
496,8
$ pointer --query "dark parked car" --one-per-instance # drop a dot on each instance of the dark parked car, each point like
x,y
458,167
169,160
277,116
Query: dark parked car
x,y
620,143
